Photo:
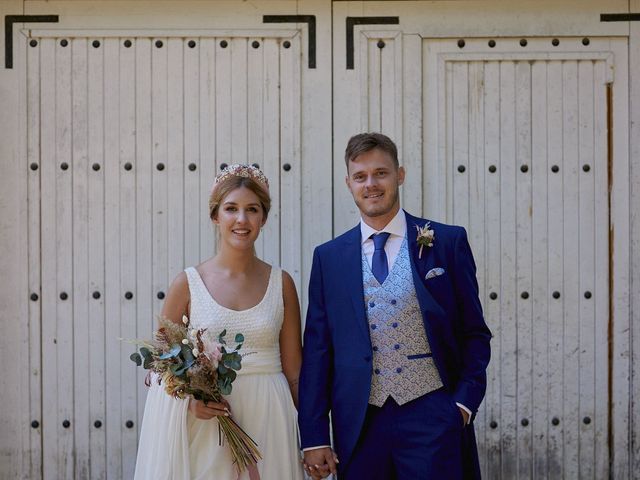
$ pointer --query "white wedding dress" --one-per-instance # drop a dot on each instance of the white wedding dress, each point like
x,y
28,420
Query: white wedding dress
x,y
175,445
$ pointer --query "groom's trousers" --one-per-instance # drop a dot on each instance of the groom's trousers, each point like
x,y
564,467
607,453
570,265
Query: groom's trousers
x,y
420,440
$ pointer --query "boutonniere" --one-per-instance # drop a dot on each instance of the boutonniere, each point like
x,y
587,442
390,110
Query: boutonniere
x,y
425,237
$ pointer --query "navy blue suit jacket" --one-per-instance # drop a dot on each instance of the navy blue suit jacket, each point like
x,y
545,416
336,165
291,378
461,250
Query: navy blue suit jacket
x,y
337,364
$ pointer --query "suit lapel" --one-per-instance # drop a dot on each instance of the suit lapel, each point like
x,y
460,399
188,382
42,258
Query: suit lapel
x,y
352,261
425,299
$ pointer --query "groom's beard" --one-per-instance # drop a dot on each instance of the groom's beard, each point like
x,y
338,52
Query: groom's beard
x,y
382,208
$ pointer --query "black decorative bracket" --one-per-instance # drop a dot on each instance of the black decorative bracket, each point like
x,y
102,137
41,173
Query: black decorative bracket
x,y
353,21
310,20
9,20
620,17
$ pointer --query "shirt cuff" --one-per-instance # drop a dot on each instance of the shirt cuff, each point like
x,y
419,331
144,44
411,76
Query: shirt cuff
x,y
466,410
315,448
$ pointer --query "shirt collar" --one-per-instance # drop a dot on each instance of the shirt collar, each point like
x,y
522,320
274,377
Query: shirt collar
x,y
397,226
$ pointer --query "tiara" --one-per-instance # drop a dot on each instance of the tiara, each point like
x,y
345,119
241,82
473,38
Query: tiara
x,y
241,170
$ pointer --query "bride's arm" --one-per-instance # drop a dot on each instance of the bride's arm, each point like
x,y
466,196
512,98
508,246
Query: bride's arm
x,y
290,336
177,302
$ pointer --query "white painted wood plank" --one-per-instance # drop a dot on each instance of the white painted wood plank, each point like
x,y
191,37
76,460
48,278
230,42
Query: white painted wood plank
x,y
556,273
159,181
390,88
374,85
477,214
175,170
459,146
34,262
570,259
238,118
207,126
223,83
64,267
80,225
620,233
97,280
142,170
50,420
601,282
412,192
525,348
447,102
541,293
363,68
587,263
128,260
270,142
509,294
634,200
112,232
397,99
192,156
255,148
290,254
493,255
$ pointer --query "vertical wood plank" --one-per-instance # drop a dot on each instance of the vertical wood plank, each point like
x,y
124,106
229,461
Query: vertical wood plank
x,y
34,200
412,192
290,240
159,182
477,214
112,235
601,298
207,126
555,270
541,293
175,157
192,155
587,264
270,122
126,181
64,270
374,82
434,108
143,168
570,260
459,146
493,255
79,129
524,232
97,278
223,82
239,47
390,89
50,419
508,265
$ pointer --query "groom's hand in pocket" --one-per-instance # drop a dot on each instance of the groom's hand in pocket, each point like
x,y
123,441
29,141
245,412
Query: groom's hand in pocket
x,y
320,462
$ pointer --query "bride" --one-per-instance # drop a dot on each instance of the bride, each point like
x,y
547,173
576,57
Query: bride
x,y
236,291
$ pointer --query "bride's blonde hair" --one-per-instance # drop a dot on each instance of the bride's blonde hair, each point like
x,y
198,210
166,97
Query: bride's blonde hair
x,y
230,183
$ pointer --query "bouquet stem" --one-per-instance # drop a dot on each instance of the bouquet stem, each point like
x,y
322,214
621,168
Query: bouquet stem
x,y
244,450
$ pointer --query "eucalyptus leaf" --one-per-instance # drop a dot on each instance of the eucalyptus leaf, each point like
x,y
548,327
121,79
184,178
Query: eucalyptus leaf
x,y
145,352
221,336
222,369
135,357
238,347
147,362
239,338
174,352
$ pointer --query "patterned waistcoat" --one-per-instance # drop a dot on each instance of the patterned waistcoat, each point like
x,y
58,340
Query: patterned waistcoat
x,y
403,367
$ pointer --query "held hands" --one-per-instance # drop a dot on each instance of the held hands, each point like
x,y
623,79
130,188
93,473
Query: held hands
x,y
206,411
320,462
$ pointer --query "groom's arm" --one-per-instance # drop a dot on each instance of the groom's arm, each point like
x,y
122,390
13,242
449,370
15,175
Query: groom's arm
x,y
317,365
475,335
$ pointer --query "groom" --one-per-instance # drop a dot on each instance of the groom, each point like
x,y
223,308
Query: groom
x,y
395,344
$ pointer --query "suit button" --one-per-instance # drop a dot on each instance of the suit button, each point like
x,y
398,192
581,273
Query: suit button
x,y
396,346
377,370
398,370
373,327
375,349
393,302
371,304
395,325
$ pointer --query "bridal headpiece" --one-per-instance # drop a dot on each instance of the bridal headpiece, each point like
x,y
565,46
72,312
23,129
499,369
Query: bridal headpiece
x,y
242,170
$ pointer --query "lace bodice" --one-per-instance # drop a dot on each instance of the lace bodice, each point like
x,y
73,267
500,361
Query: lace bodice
x,y
260,324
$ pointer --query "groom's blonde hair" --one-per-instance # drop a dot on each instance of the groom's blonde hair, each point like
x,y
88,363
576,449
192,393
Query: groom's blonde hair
x,y
365,142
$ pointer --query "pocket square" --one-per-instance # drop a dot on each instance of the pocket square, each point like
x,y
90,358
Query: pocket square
x,y
434,272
